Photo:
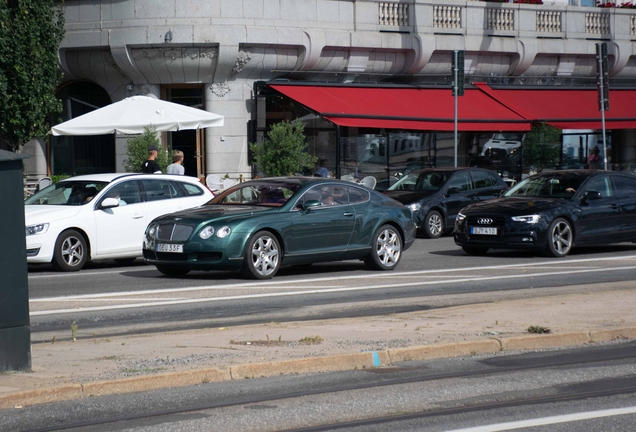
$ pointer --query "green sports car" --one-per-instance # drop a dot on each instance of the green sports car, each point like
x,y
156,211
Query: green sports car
x,y
259,225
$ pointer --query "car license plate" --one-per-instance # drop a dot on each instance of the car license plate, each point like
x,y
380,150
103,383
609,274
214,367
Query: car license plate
x,y
483,231
162,247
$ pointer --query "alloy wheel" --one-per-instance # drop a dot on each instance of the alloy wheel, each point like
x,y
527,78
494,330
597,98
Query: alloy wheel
x,y
561,238
265,255
388,247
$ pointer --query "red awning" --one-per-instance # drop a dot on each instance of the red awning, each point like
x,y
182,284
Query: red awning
x,y
405,108
568,108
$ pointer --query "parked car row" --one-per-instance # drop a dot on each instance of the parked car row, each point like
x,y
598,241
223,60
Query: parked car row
x,y
253,227
258,226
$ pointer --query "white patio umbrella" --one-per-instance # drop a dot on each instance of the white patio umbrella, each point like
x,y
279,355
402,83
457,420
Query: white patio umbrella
x,y
131,115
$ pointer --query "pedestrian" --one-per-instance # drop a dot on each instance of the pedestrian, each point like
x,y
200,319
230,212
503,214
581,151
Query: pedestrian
x,y
323,171
150,166
175,167
594,160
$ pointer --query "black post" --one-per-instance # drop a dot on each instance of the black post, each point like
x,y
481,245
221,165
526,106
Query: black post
x,y
15,331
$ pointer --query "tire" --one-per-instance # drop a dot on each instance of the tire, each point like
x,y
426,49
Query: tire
x,y
386,249
433,224
71,251
475,250
173,271
263,256
560,238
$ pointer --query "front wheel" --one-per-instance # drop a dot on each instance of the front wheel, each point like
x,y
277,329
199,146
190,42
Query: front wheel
x,y
560,238
173,271
433,224
262,256
71,251
386,249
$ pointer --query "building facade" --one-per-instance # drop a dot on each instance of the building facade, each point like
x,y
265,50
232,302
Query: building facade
x,y
247,59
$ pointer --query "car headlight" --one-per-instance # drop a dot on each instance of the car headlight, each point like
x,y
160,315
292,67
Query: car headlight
x,y
206,232
460,217
531,219
415,207
152,229
36,229
223,232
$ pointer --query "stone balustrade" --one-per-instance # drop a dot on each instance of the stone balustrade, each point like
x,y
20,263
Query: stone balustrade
x,y
500,19
393,14
447,16
549,21
597,23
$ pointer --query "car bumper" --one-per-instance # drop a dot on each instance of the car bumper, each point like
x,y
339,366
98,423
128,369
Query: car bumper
x,y
39,248
198,254
522,236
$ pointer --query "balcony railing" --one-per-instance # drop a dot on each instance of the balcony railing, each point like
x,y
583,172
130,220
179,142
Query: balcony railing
x,y
500,19
393,14
447,16
597,23
549,21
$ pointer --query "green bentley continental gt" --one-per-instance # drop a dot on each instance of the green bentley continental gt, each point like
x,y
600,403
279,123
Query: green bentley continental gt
x,y
257,226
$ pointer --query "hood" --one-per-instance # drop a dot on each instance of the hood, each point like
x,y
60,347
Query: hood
x,y
219,212
408,197
516,205
34,213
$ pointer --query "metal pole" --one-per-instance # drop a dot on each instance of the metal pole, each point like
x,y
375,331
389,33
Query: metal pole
x,y
455,72
602,104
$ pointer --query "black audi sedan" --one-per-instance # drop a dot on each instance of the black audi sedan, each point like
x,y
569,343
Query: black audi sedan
x,y
553,212
436,195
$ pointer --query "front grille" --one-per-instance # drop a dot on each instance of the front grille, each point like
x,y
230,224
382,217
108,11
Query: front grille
x,y
497,220
174,232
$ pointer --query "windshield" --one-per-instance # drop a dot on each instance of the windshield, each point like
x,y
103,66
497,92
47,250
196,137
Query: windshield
x,y
422,181
554,185
67,193
263,193
508,136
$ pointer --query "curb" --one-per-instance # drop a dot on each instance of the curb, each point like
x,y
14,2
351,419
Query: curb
x,y
364,360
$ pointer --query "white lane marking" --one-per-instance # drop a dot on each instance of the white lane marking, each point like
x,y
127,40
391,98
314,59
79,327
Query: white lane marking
x,y
147,268
566,418
313,291
278,282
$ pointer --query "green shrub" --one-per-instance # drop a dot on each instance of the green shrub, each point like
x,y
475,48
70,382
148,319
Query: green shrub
x,y
137,151
284,151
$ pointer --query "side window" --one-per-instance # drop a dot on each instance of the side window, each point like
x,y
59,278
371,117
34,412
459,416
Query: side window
x,y
157,190
482,179
600,184
126,193
191,190
357,195
328,195
625,187
460,181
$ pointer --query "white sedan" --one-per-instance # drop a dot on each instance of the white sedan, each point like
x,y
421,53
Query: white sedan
x,y
102,216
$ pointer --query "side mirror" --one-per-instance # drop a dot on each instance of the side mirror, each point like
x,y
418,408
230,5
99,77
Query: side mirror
x,y
308,205
453,191
109,203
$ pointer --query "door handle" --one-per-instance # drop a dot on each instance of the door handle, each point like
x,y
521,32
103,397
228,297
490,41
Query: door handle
x,y
137,216
348,214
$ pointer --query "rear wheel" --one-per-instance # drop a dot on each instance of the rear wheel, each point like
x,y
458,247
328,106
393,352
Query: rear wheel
x,y
262,256
433,224
173,271
475,250
386,249
71,251
560,238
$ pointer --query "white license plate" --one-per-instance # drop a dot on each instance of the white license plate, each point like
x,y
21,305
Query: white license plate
x,y
162,247
483,231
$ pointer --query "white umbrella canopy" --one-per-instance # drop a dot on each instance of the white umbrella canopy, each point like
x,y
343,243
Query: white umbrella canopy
x,y
131,115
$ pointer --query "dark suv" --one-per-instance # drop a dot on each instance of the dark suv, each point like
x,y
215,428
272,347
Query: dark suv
x,y
436,195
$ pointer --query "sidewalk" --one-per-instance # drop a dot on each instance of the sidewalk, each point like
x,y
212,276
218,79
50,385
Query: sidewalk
x,y
86,368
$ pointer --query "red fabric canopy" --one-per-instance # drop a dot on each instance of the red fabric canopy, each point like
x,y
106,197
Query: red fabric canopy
x,y
568,108
405,108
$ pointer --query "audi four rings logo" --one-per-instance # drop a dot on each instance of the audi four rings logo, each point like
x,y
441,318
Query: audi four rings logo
x,y
484,221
